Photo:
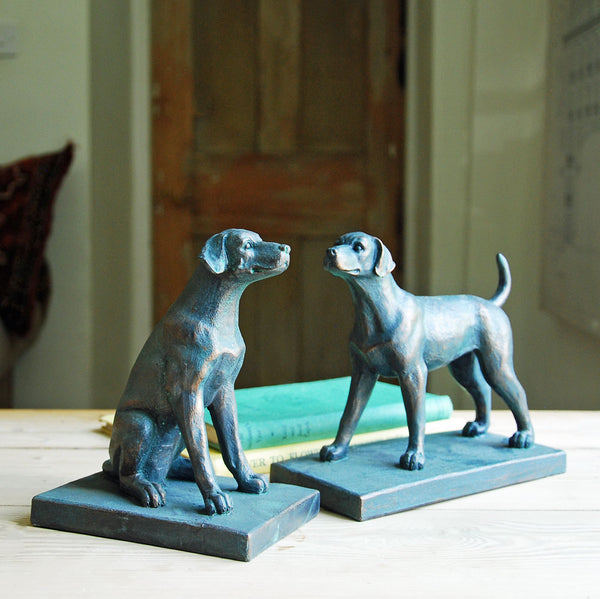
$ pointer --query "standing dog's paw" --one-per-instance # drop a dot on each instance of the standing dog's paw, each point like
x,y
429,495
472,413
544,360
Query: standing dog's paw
x,y
255,483
217,503
412,460
474,429
333,452
521,439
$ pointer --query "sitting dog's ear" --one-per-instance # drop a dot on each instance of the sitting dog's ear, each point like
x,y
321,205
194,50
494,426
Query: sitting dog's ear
x,y
384,263
214,253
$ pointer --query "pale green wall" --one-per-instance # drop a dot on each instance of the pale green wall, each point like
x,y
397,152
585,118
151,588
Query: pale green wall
x,y
475,181
81,73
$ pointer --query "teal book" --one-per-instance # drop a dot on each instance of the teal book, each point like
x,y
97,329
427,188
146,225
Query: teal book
x,y
297,412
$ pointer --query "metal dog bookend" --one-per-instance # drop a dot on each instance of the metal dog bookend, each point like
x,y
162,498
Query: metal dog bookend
x,y
397,334
189,362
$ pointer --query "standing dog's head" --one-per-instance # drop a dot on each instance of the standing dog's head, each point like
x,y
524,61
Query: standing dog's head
x,y
358,255
244,254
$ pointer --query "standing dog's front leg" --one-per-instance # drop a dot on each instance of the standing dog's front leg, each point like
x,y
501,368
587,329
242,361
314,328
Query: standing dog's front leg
x,y
193,429
224,417
361,387
412,383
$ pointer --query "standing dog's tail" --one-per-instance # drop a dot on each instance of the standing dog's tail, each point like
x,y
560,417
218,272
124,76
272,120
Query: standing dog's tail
x,y
504,281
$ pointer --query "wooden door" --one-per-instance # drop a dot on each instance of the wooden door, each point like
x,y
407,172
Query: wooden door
x,y
283,117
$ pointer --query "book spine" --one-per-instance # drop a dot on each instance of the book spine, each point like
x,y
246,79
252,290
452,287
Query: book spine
x,y
272,433
260,460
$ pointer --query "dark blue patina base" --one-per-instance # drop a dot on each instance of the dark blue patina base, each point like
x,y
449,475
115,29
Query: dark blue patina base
x,y
369,483
95,506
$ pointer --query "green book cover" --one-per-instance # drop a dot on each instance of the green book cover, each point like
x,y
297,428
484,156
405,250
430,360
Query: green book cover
x,y
296,412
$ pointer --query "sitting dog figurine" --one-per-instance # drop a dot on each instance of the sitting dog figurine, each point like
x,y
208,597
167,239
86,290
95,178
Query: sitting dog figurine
x,y
397,334
189,362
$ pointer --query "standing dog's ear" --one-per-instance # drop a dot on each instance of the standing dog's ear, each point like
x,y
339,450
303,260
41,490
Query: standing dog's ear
x,y
214,253
384,263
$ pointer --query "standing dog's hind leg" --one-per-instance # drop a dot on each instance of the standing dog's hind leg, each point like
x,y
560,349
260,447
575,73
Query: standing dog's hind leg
x,y
467,373
500,374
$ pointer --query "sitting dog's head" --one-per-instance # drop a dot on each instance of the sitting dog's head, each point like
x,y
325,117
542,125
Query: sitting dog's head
x,y
358,255
244,254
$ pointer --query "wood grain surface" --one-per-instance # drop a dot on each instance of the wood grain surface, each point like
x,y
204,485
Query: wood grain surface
x,y
537,539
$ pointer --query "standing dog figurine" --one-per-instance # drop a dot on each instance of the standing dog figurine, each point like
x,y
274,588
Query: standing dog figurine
x,y
189,362
397,334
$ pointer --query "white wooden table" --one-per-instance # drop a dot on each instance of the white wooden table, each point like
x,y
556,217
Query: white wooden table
x,y
537,539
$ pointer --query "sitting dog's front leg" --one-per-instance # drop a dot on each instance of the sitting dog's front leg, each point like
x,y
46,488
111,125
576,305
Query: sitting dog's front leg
x,y
412,384
193,430
361,388
224,417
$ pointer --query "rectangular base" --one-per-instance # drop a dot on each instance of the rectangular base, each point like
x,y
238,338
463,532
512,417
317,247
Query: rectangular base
x,y
369,483
94,505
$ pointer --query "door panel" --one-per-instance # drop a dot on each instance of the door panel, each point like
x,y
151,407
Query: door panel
x,y
334,79
223,42
277,116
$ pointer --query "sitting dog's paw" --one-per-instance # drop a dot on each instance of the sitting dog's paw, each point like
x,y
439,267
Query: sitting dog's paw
x,y
412,460
217,503
158,496
332,453
521,439
255,483
149,494
474,429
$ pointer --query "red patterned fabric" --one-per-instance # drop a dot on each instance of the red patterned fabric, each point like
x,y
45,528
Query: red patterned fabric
x,y
27,193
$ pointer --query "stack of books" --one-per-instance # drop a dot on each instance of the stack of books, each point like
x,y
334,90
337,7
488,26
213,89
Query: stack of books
x,y
280,422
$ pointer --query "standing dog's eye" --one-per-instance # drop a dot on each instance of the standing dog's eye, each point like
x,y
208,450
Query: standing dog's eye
x,y
358,247
248,245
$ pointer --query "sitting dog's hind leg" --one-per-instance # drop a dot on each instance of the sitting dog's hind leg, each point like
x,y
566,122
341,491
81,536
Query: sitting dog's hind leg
x,y
467,373
181,469
132,443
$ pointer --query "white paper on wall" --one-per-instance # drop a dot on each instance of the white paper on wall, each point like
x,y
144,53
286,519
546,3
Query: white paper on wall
x,y
571,252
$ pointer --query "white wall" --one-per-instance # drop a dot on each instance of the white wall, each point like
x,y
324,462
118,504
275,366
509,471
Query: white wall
x,y
477,98
475,127
72,79
44,103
